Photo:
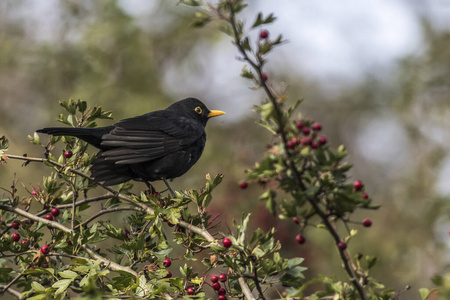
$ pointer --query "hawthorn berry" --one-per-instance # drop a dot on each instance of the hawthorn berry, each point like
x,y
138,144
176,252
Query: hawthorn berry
x,y
342,245
222,291
317,126
299,125
216,286
300,238
167,262
34,192
223,277
15,224
214,278
322,140
264,34
49,217
306,131
31,268
45,249
15,236
305,141
290,144
169,274
222,297
227,243
45,265
365,196
55,212
243,185
358,185
367,222
24,241
295,220
190,291
314,145
295,141
68,154
264,76
170,223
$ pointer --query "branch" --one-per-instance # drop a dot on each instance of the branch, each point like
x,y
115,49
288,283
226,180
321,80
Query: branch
x,y
108,263
287,162
245,289
13,292
106,211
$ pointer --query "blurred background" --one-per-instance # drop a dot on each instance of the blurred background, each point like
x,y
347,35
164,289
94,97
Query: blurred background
x,y
376,74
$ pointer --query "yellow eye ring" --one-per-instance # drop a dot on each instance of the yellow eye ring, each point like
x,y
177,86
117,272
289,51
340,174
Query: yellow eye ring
x,y
198,110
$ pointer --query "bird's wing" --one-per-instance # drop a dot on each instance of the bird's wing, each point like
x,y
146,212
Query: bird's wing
x,y
143,139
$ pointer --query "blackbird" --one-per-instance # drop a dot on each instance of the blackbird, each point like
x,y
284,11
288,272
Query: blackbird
x,y
159,145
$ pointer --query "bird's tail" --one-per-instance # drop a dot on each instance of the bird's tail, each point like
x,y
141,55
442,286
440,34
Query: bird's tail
x,y
91,135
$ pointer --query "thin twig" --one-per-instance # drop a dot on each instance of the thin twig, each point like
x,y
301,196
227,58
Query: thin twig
x,y
11,291
106,211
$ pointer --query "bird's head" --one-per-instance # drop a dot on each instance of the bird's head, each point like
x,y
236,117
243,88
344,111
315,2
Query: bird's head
x,y
196,109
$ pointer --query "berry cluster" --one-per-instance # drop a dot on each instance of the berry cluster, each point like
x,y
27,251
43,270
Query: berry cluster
x,y
221,291
308,136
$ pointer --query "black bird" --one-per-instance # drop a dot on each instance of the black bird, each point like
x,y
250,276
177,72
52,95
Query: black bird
x,y
159,145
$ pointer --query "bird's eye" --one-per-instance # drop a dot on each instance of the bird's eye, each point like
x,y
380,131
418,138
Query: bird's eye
x,y
198,110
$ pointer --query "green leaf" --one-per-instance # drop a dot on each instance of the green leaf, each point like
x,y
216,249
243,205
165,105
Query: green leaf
x,y
261,20
61,285
424,292
293,262
37,287
68,274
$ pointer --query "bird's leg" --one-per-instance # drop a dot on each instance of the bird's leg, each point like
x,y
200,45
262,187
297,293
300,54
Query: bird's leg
x,y
168,186
151,189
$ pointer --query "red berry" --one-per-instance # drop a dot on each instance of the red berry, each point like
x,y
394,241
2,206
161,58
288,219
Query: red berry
x,y
264,76
190,291
322,140
45,249
222,297
69,241
31,268
243,185
24,241
49,217
34,192
214,278
55,212
68,154
300,239
227,243
295,141
365,195
290,144
314,145
169,274
306,131
223,277
170,223
45,265
317,126
358,185
305,140
167,262
264,34
342,245
295,220
15,224
367,222
299,125
15,236
216,286
222,291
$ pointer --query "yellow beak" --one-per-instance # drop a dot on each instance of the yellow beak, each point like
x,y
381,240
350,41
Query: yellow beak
x,y
215,113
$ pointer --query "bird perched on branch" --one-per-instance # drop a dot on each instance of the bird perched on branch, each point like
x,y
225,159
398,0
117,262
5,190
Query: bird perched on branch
x,y
159,145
